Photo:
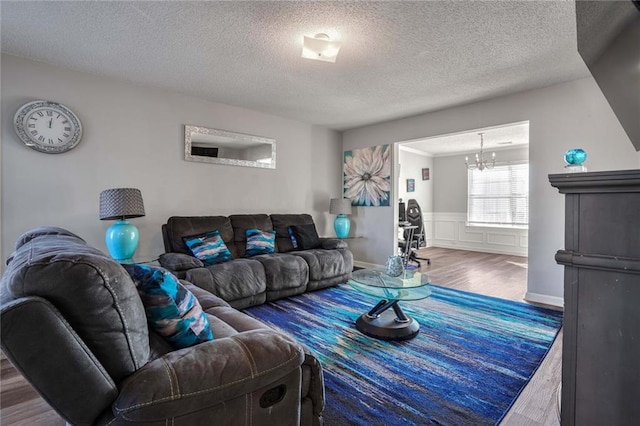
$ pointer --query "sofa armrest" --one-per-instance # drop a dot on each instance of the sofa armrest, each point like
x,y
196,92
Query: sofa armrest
x,y
192,379
333,243
42,345
316,382
179,261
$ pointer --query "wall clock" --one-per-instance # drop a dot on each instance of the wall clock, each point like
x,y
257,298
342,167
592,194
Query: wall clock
x,y
47,127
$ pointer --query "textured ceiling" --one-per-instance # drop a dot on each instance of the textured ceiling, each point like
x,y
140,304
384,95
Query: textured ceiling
x,y
495,139
397,59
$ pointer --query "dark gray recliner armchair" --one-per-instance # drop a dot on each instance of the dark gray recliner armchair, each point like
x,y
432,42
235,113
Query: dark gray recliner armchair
x,y
73,324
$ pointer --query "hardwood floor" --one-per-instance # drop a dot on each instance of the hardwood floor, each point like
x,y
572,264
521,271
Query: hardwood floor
x,y
490,274
484,273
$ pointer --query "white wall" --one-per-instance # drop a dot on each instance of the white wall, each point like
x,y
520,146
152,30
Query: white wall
x,y
133,137
450,209
411,165
573,114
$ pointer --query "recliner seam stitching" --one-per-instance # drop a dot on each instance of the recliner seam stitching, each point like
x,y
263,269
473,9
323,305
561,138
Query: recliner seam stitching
x,y
262,373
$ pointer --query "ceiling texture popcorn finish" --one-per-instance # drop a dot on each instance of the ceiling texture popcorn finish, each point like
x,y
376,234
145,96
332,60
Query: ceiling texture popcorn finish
x,y
397,58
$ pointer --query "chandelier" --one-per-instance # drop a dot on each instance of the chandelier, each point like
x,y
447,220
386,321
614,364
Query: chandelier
x,y
481,163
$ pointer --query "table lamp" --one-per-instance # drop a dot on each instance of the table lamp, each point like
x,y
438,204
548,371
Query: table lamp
x,y
341,207
120,204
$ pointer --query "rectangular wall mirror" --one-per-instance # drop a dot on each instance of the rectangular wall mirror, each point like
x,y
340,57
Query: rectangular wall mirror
x,y
205,145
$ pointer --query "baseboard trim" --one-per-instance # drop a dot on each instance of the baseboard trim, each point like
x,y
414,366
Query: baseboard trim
x,y
459,246
543,298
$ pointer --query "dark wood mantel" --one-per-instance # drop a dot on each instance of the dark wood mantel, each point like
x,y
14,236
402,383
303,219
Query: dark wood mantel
x,y
601,344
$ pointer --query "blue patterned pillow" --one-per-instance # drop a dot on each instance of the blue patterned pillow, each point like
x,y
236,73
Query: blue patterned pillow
x,y
260,242
208,247
294,242
172,310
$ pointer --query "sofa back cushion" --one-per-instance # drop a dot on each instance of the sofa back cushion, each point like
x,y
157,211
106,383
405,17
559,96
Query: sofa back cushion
x,y
242,222
93,292
185,226
281,224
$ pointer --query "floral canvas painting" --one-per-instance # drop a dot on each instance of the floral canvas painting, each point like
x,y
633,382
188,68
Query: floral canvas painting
x,y
367,176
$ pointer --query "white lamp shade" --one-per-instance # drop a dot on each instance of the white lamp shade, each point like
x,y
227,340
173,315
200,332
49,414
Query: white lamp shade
x,y
340,206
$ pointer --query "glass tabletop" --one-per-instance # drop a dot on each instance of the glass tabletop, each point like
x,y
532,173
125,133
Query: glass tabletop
x,y
411,285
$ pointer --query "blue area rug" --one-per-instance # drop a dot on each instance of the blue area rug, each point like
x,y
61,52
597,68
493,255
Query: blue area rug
x,y
472,358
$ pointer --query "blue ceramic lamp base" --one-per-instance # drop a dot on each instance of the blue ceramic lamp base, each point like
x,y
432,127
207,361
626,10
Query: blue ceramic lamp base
x,y
342,225
122,240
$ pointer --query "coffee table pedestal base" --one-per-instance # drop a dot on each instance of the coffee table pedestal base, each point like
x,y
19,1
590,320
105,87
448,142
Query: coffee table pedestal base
x,y
383,323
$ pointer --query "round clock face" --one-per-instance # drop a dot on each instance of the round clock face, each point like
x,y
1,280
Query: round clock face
x,y
47,127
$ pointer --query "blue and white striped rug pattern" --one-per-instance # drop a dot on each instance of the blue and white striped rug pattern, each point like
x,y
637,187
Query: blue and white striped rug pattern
x,y
472,358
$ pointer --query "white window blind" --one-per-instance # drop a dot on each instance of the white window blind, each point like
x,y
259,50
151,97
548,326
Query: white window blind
x,y
499,196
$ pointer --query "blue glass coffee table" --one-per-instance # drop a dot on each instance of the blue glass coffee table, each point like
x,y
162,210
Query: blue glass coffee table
x,y
380,322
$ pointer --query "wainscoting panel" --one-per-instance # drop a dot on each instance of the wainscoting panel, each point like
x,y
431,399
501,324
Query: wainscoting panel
x,y
468,235
444,230
501,239
451,231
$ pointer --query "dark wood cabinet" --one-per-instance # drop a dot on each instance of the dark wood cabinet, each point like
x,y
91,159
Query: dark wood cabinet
x,y
601,346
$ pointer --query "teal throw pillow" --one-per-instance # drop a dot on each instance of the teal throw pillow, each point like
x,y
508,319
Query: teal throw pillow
x,y
172,310
260,242
208,247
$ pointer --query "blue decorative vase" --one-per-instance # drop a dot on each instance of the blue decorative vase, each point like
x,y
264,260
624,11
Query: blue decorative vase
x,y
394,266
575,157
342,225
122,240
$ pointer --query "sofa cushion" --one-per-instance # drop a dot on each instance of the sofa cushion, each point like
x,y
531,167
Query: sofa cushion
x,y
281,224
324,264
92,291
181,226
172,310
306,236
284,271
209,247
233,280
260,242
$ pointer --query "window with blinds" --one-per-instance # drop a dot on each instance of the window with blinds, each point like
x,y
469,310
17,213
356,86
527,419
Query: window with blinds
x,y
499,196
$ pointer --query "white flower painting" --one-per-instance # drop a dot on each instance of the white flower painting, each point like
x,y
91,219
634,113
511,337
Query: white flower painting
x,y
367,176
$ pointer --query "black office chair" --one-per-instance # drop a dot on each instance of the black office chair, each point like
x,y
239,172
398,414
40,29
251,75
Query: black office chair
x,y
414,217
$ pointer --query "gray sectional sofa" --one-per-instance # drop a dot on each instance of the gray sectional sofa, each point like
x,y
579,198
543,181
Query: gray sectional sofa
x,y
247,281
72,322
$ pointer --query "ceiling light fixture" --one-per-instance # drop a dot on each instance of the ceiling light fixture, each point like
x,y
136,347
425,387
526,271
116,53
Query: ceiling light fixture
x,y
481,163
320,48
